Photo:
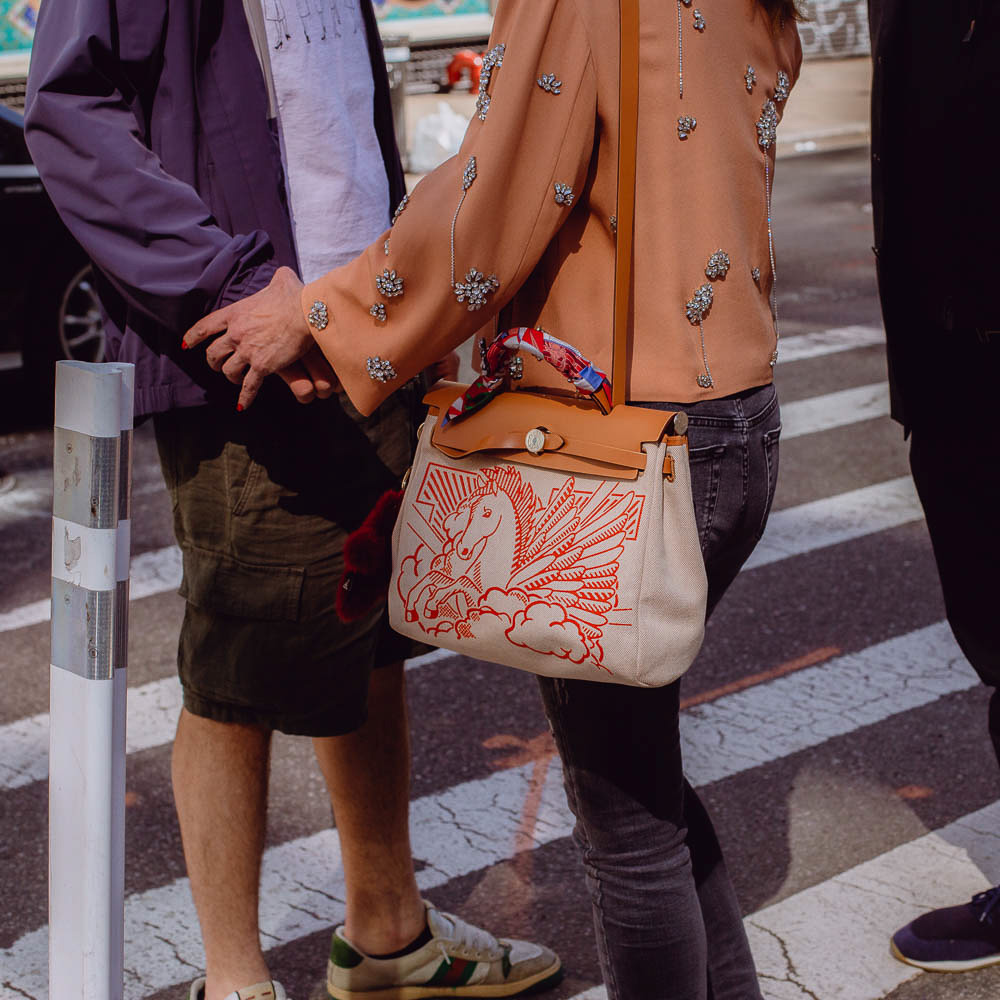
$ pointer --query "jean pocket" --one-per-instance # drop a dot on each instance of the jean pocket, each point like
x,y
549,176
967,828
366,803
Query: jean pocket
x,y
770,443
706,473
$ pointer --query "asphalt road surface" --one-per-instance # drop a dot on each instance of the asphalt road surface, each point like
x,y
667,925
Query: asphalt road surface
x,y
837,733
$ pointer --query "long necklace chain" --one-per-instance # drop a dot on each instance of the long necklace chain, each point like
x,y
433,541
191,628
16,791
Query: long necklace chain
x,y
680,48
770,250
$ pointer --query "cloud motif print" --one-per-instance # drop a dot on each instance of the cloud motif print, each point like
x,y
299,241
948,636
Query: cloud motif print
x,y
491,560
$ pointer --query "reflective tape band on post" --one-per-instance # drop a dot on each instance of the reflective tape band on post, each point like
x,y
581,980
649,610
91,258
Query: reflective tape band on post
x,y
126,417
80,461
83,630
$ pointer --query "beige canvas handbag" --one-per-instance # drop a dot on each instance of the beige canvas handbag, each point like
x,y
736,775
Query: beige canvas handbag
x,y
546,531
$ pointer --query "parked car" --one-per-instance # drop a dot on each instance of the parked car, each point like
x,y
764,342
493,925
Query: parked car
x,y
48,304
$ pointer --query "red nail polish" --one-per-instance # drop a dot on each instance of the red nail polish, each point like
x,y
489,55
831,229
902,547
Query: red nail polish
x,y
239,407
184,346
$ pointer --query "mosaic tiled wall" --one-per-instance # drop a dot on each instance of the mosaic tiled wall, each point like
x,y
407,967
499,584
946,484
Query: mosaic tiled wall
x,y
835,28
17,24
392,9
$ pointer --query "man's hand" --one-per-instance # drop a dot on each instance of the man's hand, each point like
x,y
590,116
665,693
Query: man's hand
x,y
262,335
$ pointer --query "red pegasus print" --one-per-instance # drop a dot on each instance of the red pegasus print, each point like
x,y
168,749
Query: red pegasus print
x,y
548,581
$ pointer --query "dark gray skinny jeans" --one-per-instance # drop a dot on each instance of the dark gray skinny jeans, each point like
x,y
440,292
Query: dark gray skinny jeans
x,y
667,920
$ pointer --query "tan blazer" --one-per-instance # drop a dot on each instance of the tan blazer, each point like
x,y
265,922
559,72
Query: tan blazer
x,y
522,219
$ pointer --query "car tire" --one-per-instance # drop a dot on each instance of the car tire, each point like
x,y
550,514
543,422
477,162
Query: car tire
x,y
70,326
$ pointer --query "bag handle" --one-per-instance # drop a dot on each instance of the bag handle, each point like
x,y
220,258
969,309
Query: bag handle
x,y
628,120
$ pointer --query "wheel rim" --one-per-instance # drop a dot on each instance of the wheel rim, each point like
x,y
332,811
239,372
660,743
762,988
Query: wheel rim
x,y
81,327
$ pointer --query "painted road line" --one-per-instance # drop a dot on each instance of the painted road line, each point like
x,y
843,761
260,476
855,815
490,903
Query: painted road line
x,y
467,828
472,826
845,517
822,342
800,943
790,532
736,731
805,709
836,409
155,572
153,709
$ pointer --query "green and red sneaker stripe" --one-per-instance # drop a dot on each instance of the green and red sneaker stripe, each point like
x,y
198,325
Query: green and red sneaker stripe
x,y
457,972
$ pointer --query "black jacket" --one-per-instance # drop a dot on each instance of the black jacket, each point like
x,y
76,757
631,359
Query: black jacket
x,y
935,192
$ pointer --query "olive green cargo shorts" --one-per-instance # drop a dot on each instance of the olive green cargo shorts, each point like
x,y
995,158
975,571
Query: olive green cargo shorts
x,y
263,502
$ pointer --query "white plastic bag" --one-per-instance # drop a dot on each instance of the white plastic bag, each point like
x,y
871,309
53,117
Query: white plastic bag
x,y
436,137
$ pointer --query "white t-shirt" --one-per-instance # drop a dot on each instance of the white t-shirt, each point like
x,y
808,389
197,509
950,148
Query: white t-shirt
x,y
337,185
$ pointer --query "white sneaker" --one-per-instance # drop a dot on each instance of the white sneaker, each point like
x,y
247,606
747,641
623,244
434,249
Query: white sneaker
x,y
459,961
261,991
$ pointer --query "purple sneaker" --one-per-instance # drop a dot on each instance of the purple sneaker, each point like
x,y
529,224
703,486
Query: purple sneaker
x,y
954,938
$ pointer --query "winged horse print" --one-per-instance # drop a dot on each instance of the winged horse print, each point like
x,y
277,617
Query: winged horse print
x,y
492,557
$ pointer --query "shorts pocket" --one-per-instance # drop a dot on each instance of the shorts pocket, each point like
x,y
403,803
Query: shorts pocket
x,y
228,586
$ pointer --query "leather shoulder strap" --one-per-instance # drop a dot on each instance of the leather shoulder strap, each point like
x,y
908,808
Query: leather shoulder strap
x,y
628,118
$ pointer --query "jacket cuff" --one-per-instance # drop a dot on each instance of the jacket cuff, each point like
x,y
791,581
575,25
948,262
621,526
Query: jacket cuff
x,y
246,281
367,381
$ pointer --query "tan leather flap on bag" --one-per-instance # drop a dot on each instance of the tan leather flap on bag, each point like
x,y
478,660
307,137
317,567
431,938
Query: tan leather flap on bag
x,y
562,433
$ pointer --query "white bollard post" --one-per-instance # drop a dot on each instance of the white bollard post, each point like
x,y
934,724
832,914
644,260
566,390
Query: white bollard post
x,y
86,787
123,558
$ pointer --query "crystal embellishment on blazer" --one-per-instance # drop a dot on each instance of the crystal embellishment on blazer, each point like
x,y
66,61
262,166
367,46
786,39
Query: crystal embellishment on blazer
x,y
564,195
549,83
750,77
767,125
318,316
476,289
614,224
699,20
379,370
378,311
701,302
385,247
491,61
755,273
400,208
469,174
685,126
783,87
718,265
705,381
389,284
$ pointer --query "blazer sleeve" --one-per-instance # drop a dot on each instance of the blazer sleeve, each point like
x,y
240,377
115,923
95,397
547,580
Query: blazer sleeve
x,y
93,64
475,228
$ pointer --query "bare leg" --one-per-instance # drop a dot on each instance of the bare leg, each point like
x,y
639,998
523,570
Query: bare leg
x,y
220,775
368,776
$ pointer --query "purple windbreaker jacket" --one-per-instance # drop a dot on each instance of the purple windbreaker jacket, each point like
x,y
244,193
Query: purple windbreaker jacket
x,y
148,122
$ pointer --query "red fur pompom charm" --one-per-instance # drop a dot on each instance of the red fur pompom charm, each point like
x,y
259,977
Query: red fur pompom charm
x,y
368,560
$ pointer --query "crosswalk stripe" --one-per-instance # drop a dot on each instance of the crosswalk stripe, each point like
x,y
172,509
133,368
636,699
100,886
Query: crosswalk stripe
x,y
153,707
159,571
844,517
152,719
804,346
720,739
835,409
793,531
153,572
302,887
799,944
801,710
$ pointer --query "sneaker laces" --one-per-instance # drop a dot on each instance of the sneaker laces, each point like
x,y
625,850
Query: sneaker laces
x,y
989,900
468,936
